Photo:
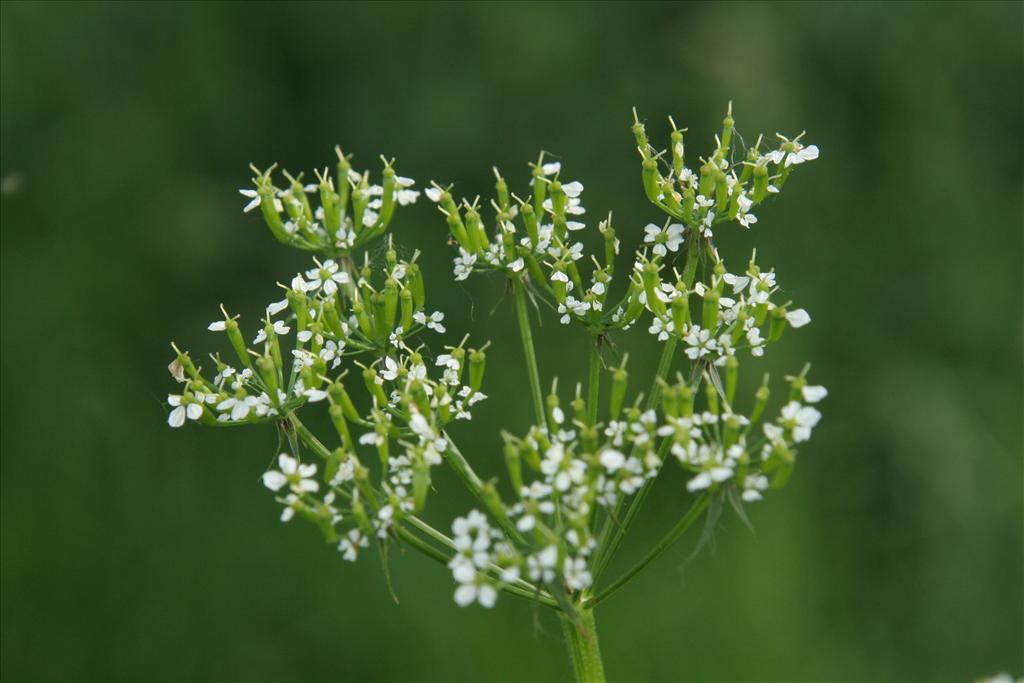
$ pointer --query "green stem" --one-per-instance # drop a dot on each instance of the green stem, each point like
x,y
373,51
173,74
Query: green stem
x,y
664,544
528,351
584,651
613,533
594,382
472,481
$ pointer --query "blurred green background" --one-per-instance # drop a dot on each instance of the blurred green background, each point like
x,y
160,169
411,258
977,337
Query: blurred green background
x,y
131,552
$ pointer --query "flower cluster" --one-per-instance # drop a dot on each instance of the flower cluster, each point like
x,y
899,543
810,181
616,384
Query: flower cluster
x,y
348,335
352,211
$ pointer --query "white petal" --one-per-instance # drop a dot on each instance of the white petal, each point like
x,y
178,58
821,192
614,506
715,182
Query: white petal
x,y
177,417
798,318
274,480
813,394
465,595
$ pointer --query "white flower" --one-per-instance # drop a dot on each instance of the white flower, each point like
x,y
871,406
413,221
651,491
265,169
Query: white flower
x,y
700,482
433,194
297,476
255,200
517,265
801,419
279,329
217,326
390,372
798,318
239,407
752,487
551,168
661,328
700,343
667,239
577,575
468,593
433,321
801,154
192,411
813,394
350,545
612,459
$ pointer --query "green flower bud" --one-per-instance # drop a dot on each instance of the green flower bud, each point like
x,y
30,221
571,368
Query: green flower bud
x,y
359,512
513,462
475,230
708,171
760,183
727,127
414,276
337,414
721,192
778,324
380,319
237,343
686,396
477,362
732,367
390,303
420,484
501,187
651,283
680,312
709,317
760,401
387,209
620,380
652,179
540,189
406,296
530,222
370,378
711,394
677,152
332,319
268,373
458,231
670,400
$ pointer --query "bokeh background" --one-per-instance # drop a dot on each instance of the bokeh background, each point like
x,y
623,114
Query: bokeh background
x,y
131,552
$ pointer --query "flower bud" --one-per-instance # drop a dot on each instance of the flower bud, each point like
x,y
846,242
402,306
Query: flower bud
x,y
359,512
331,317
414,276
728,123
391,303
501,188
337,414
458,231
677,152
620,380
475,230
709,317
760,183
477,362
731,376
540,189
680,312
380,318
514,464
387,209
336,392
686,395
406,297
268,373
420,484
237,343
778,324
370,379
721,191
670,400
530,222
652,179
711,394
651,283
760,401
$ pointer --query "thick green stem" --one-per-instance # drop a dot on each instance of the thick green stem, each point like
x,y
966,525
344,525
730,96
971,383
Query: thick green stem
x,y
660,547
584,651
528,351
594,382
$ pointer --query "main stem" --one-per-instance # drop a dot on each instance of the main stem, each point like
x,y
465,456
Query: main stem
x,y
528,351
584,651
